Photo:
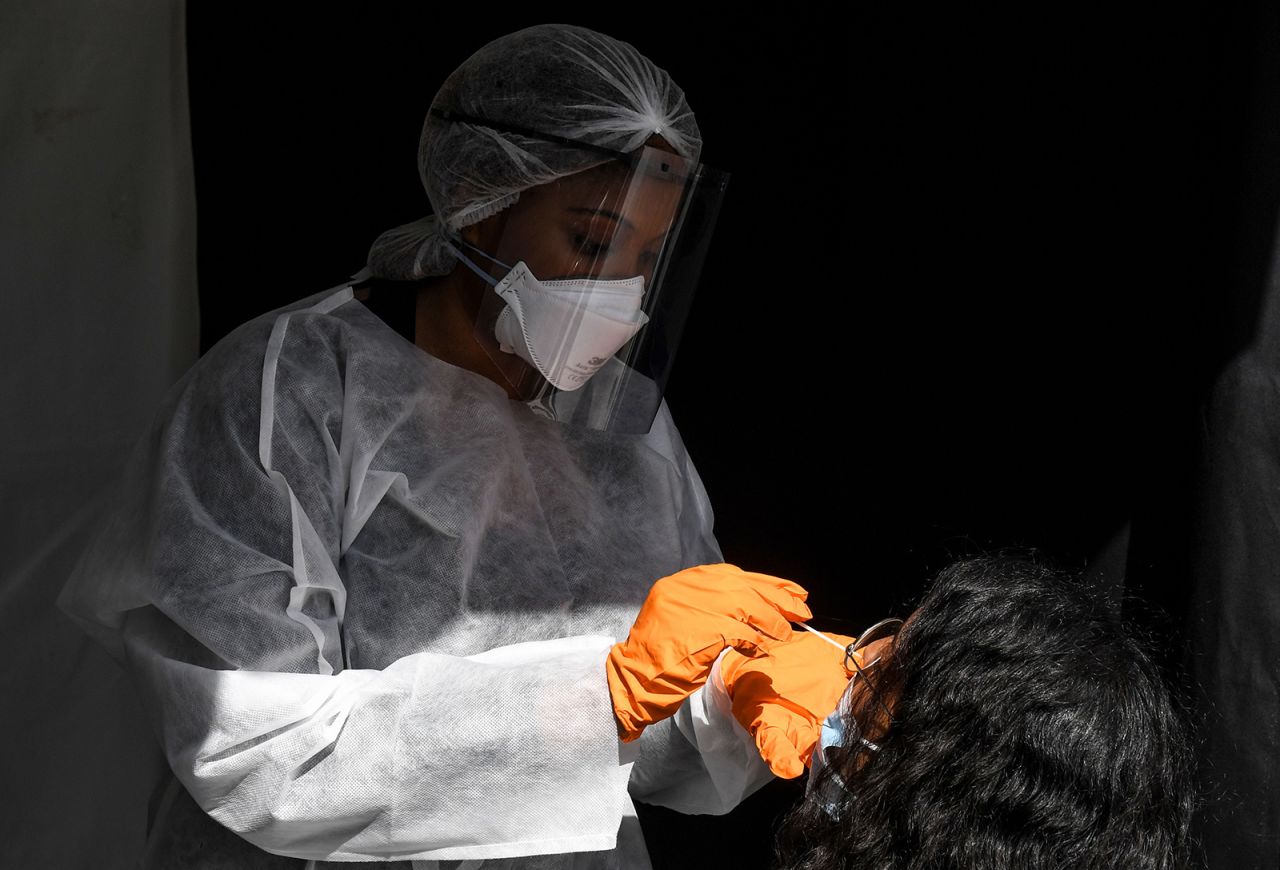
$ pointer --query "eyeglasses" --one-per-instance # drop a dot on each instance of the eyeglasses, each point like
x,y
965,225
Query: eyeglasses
x,y
881,630
885,628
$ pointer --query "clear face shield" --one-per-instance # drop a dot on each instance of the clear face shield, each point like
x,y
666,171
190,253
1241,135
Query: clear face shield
x,y
587,282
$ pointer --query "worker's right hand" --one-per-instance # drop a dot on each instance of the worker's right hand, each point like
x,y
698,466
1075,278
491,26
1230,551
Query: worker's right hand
x,y
781,698
688,618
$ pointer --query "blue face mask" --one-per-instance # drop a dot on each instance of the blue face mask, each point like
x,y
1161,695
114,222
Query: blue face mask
x,y
832,737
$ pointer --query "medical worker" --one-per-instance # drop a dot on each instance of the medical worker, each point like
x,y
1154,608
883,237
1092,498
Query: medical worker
x,y
377,568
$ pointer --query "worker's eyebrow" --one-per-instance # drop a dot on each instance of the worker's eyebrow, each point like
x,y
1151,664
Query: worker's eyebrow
x,y
603,212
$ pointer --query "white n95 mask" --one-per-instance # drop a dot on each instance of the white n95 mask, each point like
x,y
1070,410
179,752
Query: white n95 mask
x,y
566,329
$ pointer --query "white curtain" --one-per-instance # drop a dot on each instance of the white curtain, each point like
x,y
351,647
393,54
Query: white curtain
x,y
98,282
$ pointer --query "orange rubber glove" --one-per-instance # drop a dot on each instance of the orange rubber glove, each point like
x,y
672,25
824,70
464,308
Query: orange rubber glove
x,y
782,698
688,618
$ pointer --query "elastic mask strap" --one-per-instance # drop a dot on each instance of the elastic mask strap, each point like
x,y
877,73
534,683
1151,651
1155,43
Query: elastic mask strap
x,y
493,282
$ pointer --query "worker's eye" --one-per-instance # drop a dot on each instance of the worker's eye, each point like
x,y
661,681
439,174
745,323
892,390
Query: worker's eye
x,y
592,247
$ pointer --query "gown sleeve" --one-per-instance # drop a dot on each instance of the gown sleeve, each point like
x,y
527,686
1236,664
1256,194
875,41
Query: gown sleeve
x,y
700,761
215,581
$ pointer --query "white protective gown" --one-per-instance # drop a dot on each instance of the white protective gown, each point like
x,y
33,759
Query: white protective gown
x,y
367,599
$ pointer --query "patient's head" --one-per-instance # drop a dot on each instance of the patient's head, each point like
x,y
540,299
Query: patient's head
x,y
1030,729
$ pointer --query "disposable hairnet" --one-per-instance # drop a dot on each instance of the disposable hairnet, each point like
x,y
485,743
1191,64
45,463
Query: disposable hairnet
x,y
367,599
556,79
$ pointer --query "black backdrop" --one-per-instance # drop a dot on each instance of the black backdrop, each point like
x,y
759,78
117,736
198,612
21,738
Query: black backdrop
x,y
973,275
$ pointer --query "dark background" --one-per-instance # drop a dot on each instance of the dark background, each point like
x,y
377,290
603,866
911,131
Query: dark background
x,y
972,279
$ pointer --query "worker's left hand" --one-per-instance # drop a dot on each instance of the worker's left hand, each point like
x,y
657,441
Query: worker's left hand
x,y
684,623
781,698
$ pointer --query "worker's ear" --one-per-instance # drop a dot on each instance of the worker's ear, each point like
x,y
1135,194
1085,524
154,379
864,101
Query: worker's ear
x,y
486,234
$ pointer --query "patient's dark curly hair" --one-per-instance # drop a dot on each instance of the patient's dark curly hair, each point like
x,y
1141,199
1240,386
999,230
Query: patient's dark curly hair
x,y
1030,729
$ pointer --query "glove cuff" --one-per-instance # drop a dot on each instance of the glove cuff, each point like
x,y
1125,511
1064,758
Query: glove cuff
x,y
625,716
